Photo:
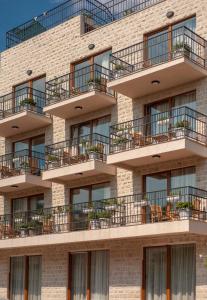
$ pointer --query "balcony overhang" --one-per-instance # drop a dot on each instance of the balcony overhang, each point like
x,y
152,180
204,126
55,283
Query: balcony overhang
x,y
187,227
79,105
22,122
78,171
169,74
21,182
158,153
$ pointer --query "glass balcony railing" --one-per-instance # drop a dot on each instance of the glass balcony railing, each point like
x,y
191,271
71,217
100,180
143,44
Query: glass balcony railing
x,y
178,204
95,14
178,123
182,42
77,150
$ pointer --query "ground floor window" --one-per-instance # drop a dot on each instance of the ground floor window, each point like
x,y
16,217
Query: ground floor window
x,y
89,275
25,278
170,272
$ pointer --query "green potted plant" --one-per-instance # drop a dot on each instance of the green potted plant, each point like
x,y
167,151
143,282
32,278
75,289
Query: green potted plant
x,y
89,208
111,204
181,48
173,196
185,209
104,218
180,128
34,227
94,220
28,103
163,120
117,70
53,161
23,229
93,152
24,166
94,83
119,143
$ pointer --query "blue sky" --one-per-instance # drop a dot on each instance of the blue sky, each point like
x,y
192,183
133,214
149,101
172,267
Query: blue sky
x,y
16,12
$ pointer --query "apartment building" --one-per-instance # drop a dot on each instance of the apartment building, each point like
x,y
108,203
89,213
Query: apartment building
x,y
103,125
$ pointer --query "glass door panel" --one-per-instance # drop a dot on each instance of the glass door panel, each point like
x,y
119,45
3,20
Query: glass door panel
x,y
85,131
37,202
82,74
21,93
38,93
17,278
34,280
156,273
101,191
79,276
160,118
80,199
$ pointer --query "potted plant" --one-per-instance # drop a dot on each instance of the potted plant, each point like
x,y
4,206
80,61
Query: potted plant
x,y
173,197
181,48
48,223
23,229
180,128
24,166
28,103
94,220
111,204
184,209
119,143
53,161
118,70
93,152
94,84
33,227
163,120
61,215
104,217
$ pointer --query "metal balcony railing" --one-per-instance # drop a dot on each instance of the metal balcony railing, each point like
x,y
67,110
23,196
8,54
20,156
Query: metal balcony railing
x,y
95,14
21,162
25,99
87,79
181,42
77,150
178,204
178,123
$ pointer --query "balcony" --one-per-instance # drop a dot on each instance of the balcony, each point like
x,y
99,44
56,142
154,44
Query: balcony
x,y
21,170
22,111
79,92
95,14
178,211
158,64
175,134
78,158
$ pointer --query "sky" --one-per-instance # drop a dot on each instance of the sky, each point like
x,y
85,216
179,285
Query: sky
x,y
16,12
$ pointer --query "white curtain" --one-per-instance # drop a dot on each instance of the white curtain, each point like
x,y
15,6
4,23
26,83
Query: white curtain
x,y
35,266
17,278
79,276
183,177
99,275
156,269
183,272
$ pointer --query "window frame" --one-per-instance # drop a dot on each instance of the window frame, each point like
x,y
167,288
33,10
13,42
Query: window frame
x,y
28,201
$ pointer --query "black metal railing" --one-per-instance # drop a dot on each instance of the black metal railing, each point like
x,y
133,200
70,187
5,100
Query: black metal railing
x,y
77,150
178,123
95,14
21,162
178,204
25,99
90,78
182,42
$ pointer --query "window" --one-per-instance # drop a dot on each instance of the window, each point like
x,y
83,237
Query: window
x,y
28,203
86,194
35,144
169,272
159,44
89,275
25,277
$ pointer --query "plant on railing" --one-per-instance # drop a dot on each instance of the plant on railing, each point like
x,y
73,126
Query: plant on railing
x,y
119,143
34,227
117,70
53,161
89,208
104,218
94,221
95,151
111,204
180,48
184,209
180,128
94,83
27,102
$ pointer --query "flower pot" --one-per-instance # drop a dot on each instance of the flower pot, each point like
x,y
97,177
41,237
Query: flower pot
x,y
184,213
94,224
23,232
104,223
180,132
94,155
111,207
177,53
117,74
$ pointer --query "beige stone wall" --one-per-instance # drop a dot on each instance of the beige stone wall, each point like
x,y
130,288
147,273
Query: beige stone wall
x,y
125,276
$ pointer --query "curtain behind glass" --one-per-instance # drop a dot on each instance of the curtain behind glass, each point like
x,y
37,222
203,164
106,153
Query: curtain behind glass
x,y
79,276
17,278
183,272
183,177
35,266
99,275
156,268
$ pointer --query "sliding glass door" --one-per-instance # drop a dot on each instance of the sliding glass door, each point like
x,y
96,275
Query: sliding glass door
x,y
175,265
89,275
25,278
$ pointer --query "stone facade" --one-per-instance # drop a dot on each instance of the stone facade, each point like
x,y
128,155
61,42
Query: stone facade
x,y
51,53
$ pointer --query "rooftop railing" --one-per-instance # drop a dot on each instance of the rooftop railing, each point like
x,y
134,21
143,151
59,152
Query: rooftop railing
x,y
178,204
20,163
77,150
25,99
165,47
95,14
175,124
91,78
